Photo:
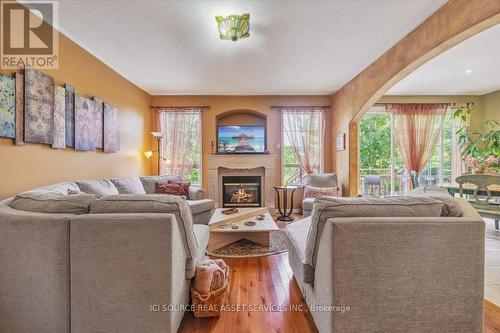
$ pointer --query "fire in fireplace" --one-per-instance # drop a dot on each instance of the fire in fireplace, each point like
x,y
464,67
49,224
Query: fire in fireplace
x,y
241,191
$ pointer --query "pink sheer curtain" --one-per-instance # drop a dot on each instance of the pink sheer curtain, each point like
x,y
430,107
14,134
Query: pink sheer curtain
x,y
417,128
180,147
304,127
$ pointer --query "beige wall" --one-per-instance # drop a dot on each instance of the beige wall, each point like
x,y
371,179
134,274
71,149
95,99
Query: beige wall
x,y
261,104
32,165
491,107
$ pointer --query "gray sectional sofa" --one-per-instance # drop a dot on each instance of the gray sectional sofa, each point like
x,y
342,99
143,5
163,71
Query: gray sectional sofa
x,y
116,261
401,264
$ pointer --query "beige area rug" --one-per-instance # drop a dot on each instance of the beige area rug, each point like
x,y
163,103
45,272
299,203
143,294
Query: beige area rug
x,y
246,248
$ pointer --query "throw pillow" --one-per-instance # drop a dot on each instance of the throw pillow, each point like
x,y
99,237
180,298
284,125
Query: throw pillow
x,y
314,192
179,189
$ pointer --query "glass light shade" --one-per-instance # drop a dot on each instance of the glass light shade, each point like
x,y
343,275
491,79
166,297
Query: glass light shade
x,y
233,27
148,154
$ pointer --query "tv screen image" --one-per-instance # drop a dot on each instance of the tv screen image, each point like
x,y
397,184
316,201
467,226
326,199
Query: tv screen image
x,y
244,139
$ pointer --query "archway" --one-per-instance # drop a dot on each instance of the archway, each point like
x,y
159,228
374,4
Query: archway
x,y
456,21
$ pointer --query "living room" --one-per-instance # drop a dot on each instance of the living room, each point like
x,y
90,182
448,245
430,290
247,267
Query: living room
x,y
222,166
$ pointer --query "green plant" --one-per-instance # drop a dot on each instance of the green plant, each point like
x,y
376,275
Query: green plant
x,y
474,144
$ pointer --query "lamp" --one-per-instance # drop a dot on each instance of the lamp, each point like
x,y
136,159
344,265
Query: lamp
x,y
233,27
150,153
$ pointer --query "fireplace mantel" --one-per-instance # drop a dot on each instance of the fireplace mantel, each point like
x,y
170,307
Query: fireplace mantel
x,y
263,165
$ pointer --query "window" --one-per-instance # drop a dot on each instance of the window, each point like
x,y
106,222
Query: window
x,y
302,144
181,146
379,154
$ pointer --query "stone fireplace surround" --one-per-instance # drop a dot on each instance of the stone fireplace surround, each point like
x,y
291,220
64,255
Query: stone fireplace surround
x,y
242,165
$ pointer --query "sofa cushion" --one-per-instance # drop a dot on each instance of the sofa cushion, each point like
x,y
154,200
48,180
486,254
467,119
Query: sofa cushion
x,y
61,188
322,180
179,189
148,182
100,187
296,237
52,202
200,206
155,203
334,207
128,185
308,203
202,234
450,206
314,191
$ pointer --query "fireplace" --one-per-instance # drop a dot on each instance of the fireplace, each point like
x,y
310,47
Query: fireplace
x,y
241,191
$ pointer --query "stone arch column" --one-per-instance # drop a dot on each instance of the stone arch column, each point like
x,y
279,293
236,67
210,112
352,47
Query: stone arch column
x,y
454,22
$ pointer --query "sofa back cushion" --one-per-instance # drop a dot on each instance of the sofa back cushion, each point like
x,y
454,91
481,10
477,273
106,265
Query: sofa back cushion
x,y
322,180
52,202
61,188
149,182
334,207
450,206
100,187
128,185
155,203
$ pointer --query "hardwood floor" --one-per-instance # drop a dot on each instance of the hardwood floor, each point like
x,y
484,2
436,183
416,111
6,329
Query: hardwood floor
x,y
259,281
269,281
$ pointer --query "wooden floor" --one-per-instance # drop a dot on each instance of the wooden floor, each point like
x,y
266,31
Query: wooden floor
x,y
269,281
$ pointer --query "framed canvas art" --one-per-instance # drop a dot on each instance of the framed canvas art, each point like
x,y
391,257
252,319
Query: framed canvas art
x,y
59,118
19,109
99,122
38,107
85,130
7,107
70,115
111,129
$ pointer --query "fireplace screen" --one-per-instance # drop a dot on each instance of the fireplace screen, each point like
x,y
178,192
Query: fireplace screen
x,y
241,191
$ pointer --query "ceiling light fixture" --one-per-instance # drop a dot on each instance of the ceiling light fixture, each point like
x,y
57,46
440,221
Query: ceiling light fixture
x,y
233,27
468,71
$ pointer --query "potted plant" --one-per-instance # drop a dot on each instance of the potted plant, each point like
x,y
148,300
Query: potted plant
x,y
481,152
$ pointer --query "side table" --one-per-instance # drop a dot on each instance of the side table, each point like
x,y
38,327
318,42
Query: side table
x,y
284,211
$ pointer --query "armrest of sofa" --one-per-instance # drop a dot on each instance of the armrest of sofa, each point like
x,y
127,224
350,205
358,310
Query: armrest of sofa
x,y
196,193
134,260
34,270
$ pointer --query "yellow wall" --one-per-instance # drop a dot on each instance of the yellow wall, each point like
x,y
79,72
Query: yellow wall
x,y
261,104
491,107
33,165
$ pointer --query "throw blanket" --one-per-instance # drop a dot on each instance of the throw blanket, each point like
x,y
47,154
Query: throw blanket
x,y
210,275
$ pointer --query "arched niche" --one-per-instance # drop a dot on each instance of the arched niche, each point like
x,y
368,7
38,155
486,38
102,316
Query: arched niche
x,y
454,22
241,117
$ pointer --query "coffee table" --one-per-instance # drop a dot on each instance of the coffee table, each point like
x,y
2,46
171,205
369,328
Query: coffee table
x,y
222,233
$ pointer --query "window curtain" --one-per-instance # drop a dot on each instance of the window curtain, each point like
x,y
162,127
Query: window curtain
x,y
304,128
458,166
417,128
180,148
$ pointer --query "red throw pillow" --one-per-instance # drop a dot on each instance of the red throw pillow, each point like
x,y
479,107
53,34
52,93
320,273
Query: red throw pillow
x,y
314,192
180,189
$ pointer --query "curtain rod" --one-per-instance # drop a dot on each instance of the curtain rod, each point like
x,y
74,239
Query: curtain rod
x,y
180,106
452,104
300,106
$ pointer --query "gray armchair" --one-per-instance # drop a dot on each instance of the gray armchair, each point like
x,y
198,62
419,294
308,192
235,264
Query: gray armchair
x,y
318,180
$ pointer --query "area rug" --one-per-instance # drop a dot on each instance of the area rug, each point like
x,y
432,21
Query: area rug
x,y
246,248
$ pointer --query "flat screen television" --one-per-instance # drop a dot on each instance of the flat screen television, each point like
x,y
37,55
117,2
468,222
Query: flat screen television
x,y
241,139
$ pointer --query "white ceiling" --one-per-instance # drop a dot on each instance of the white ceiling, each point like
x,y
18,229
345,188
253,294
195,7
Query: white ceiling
x,y
295,47
470,68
